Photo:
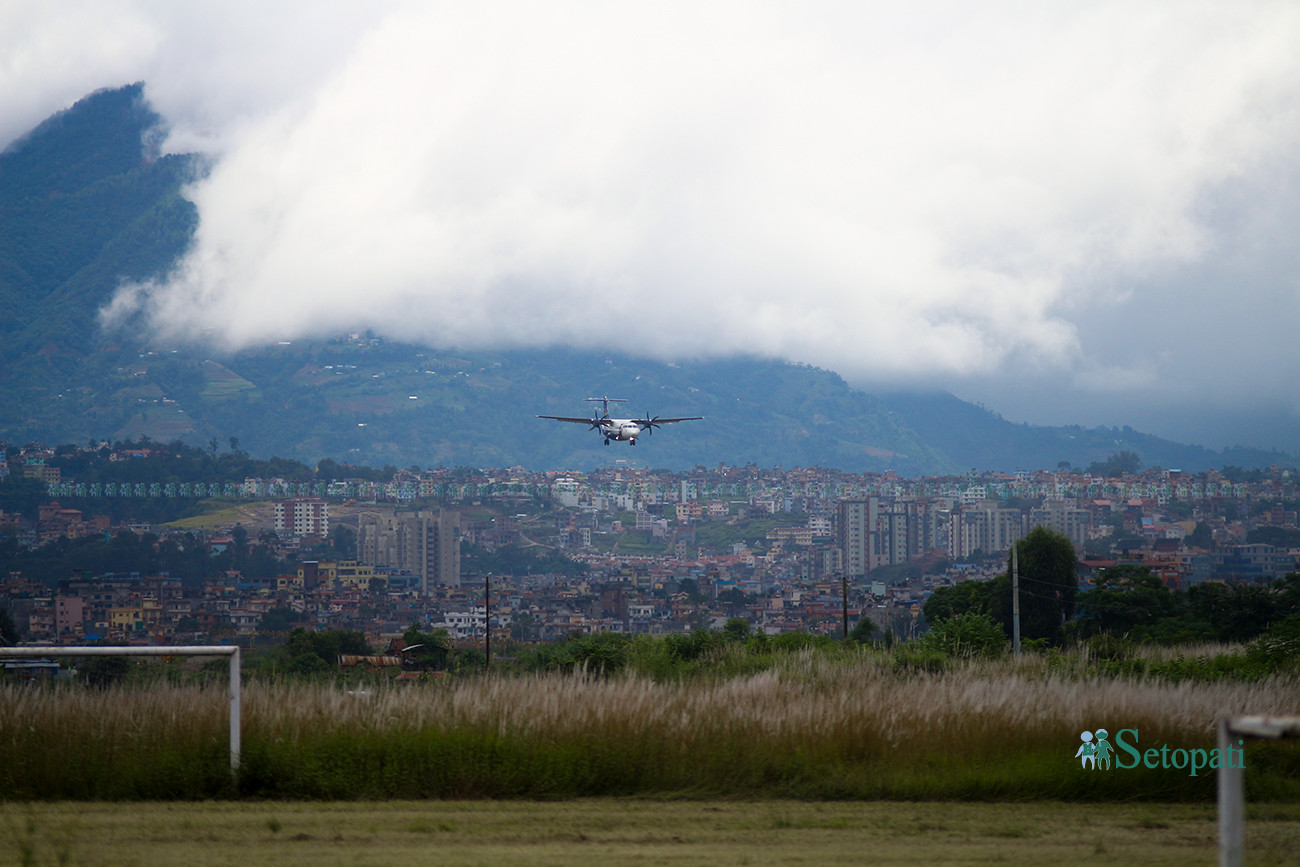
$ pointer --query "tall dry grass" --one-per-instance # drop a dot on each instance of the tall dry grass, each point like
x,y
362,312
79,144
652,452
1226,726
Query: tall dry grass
x,y
812,726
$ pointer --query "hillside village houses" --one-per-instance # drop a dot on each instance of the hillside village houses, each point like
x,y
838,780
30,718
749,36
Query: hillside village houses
x,y
650,542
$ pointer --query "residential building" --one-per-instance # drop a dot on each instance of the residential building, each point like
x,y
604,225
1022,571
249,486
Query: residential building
x,y
983,526
302,516
424,543
858,537
1065,518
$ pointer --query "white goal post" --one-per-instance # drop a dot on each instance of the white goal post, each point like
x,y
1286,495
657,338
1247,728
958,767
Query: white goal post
x,y
185,650
1232,798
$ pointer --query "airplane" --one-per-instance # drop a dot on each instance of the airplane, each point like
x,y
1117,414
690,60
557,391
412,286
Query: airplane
x,y
621,429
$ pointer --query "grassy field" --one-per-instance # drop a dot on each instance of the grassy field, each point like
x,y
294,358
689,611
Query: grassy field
x,y
848,727
617,831
816,756
225,513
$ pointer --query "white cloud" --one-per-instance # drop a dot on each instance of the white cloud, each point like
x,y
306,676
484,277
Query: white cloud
x,y
931,189
52,54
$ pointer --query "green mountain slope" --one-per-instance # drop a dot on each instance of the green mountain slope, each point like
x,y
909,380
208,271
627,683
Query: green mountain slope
x,y
84,206
974,437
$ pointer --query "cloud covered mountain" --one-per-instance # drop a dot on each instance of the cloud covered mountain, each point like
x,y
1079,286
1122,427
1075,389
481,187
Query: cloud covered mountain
x,y
90,206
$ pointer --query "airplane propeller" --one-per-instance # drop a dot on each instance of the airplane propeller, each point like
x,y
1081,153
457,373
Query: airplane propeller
x,y
620,429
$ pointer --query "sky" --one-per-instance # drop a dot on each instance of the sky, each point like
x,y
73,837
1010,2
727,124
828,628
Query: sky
x,y
1071,213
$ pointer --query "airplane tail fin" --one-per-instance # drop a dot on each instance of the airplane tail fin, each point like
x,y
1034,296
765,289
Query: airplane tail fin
x,y
606,401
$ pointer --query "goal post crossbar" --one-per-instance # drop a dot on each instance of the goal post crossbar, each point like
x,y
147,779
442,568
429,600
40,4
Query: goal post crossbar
x,y
1232,798
227,650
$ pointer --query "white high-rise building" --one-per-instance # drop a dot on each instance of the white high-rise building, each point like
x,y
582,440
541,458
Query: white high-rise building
x,y
857,536
302,516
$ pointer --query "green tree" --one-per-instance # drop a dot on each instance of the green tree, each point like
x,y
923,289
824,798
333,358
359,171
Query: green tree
x,y
239,536
8,630
865,631
432,649
1048,584
967,636
344,540
1201,536
1278,537
1237,612
1124,599
281,620
733,599
1279,647
22,495
691,588
1288,594
329,470
961,598
313,652
1121,463
521,625
103,671
736,629
602,653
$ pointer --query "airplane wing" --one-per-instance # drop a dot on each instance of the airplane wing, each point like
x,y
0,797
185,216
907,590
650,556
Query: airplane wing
x,y
579,420
671,420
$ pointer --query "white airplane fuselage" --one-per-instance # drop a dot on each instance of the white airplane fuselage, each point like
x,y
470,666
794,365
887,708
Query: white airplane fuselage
x,y
624,430
621,429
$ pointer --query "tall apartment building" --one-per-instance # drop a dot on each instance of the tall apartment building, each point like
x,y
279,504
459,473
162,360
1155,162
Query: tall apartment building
x,y
876,531
302,516
984,527
857,536
1063,517
928,522
893,540
423,543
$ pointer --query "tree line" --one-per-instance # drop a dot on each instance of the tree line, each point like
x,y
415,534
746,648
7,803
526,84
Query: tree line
x,y
1125,601
186,556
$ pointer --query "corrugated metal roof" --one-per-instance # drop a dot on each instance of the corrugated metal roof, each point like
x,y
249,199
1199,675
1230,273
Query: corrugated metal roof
x,y
347,660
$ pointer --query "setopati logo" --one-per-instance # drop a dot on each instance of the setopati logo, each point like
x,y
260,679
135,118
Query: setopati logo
x,y
1096,752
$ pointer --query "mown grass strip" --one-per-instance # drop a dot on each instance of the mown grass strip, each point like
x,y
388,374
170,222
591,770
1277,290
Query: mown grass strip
x,y
619,831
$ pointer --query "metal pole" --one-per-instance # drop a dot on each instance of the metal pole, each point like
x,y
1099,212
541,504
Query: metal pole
x,y
844,592
1232,798
1015,599
235,716
1232,832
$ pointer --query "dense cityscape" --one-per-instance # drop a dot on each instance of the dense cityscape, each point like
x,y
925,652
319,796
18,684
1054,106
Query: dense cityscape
x,y
543,556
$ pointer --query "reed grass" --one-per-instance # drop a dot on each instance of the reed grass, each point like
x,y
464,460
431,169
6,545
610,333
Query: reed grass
x,y
811,725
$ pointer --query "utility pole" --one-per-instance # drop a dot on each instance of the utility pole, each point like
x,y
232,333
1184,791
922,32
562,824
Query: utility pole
x,y
1015,600
844,594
